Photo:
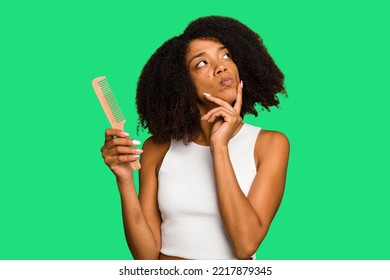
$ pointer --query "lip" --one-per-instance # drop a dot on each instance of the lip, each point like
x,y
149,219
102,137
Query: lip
x,y
226,81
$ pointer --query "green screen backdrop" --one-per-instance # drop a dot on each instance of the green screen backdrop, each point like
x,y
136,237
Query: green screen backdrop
x,y
59,201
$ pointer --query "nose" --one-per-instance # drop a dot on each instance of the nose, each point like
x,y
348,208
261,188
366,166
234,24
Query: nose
x,y
220,68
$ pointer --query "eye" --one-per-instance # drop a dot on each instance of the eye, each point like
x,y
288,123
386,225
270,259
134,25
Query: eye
x,y
201,63
226,56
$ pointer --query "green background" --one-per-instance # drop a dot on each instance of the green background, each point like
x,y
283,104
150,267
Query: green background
x,y
59,201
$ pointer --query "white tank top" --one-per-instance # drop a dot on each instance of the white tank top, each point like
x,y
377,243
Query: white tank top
x,y
191,223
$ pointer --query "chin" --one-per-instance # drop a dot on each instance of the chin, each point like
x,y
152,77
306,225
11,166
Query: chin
x,y
229,97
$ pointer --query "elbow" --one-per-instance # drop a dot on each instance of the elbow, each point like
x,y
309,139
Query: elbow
x,y
247,248
246,252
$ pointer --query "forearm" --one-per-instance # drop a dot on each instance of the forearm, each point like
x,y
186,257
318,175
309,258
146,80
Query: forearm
x,y
139,236
240,220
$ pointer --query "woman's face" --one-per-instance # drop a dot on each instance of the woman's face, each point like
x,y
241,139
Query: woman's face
x,y
212,70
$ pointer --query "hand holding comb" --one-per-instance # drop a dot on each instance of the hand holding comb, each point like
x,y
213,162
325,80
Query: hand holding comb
x,y
111,108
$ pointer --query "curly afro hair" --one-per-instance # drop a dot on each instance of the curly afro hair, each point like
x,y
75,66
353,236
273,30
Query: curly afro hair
x,y
166,96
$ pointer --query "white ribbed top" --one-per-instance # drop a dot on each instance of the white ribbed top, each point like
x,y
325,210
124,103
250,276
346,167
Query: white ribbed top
x,y
191,224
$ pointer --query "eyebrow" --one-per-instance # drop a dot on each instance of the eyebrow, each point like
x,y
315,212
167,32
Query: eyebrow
x,y
203,53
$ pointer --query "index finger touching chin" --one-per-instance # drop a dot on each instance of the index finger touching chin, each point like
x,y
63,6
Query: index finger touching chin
x,y
238,103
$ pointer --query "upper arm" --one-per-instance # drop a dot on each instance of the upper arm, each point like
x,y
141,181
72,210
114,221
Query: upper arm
x,y
271,153
148,185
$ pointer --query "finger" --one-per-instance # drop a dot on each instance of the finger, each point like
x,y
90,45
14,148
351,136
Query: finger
x,y
219,112
121,142
217,101
212,111
122,150
111,132
127,158
116,142
110,154
238,104
113,160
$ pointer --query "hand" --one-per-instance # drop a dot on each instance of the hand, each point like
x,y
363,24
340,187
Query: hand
x,y
118,152
227,118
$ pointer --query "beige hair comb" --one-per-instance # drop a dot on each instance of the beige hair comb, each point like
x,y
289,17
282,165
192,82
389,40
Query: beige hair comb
x,y
111,107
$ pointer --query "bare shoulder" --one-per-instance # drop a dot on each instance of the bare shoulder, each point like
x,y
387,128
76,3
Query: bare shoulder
x,y
152,144
272,138
271,143
154,152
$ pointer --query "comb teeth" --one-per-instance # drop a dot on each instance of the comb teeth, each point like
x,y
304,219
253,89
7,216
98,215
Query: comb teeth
x,y
110,98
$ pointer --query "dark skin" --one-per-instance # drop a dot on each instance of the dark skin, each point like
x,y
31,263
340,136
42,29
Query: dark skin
x,y
246,219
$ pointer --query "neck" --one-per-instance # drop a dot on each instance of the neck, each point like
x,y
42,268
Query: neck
x,y
203,137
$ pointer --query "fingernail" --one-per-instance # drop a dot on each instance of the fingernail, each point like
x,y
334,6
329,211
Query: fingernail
x,y
242,84
124,134
207,94
135,142
139,151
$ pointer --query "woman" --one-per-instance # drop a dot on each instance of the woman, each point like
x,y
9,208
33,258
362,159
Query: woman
x,y
209,184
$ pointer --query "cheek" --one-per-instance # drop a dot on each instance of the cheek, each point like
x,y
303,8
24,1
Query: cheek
x,y
235,69
202,81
